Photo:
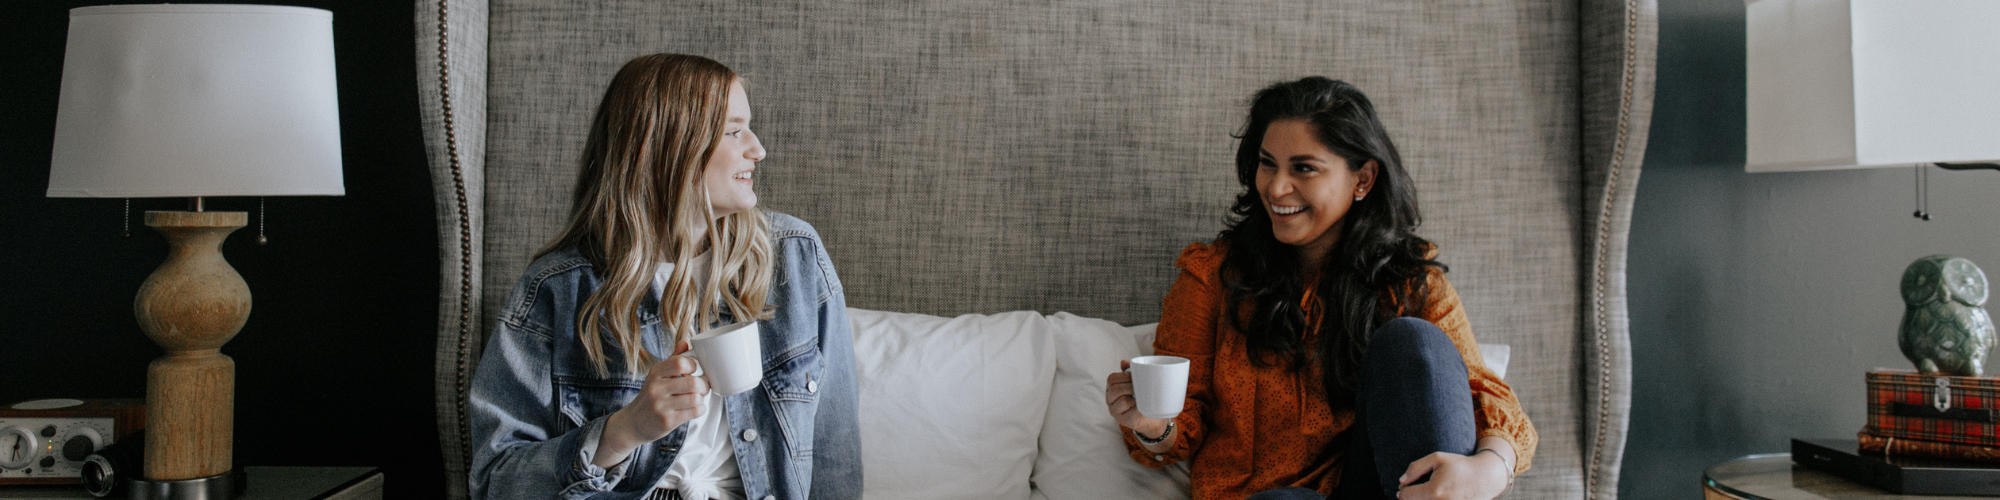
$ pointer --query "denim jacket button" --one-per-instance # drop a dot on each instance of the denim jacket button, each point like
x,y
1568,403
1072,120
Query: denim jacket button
x,y
812,386
749,434
770,497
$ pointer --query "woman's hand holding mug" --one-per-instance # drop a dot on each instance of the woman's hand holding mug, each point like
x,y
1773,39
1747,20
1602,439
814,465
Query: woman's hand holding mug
x,y
670,397
1124,407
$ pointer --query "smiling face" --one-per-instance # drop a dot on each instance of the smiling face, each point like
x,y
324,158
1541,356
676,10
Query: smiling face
x,y
730,166
1306,188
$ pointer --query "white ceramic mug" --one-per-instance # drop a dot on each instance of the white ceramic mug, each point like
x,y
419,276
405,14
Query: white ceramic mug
x,y
731,357
1159,385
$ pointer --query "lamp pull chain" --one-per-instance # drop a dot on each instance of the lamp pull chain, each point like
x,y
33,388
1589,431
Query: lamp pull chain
x,y
1923,187
260,222
128,219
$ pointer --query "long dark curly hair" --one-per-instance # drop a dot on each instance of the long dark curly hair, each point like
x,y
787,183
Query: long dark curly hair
x,y
1378,252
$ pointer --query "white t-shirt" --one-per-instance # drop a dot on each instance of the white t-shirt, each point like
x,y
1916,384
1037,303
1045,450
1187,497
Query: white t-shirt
x,y
705,469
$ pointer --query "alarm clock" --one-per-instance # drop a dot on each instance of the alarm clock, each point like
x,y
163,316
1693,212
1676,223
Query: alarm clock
x,y
45,441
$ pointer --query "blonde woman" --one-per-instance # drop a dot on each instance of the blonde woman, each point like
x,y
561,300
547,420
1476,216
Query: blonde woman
x,y
583,391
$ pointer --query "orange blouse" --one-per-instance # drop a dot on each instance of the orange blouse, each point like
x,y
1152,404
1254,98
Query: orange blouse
x,y
1247,428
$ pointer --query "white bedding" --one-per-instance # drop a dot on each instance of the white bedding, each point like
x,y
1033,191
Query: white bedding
x,y
1003,406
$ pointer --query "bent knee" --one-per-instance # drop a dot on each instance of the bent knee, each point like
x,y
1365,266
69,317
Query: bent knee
x,y
1409,338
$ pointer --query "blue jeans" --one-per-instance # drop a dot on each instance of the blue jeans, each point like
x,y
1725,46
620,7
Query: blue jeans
x,y
1414,401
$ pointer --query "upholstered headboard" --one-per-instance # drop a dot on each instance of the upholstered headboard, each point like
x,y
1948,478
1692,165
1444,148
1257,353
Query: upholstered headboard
x,y
963,156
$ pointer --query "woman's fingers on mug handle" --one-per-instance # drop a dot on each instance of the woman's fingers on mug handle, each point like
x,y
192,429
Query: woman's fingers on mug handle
x,y
687,382
1124,365
689,402
1117,385
671,367
683,366
1122,409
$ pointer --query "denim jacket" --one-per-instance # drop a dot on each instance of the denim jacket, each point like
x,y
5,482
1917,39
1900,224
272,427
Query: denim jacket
x,y
538,405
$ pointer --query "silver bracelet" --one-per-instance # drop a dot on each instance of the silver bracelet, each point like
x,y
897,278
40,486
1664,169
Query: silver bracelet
x,y
1163,436
1503,462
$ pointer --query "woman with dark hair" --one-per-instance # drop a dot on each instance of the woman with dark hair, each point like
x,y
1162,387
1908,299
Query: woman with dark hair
x,y
1330,357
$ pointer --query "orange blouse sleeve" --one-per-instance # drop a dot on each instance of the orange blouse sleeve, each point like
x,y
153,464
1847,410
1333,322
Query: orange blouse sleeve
x,y
1495,409
1187,329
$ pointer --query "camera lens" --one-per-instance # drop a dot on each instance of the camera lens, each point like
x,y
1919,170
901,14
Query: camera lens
x,y
105,472
99,478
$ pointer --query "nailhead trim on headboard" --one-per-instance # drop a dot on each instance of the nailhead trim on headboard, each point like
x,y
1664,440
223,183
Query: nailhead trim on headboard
x,y
1599,304
464,426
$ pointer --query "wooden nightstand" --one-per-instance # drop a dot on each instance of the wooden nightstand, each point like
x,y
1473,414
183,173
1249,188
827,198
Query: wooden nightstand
x,y
265,483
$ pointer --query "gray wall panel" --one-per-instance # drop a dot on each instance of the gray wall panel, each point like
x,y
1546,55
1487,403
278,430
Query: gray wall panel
x,y
1758,301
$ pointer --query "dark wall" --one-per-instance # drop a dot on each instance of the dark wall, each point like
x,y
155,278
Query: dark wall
x,y
334,366
1759,300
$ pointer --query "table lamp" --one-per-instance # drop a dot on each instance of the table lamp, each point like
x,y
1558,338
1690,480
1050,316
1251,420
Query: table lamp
x,y
194,101
1836,84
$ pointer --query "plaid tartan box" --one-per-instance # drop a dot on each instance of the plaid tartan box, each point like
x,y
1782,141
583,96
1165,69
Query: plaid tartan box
x,y
1904,404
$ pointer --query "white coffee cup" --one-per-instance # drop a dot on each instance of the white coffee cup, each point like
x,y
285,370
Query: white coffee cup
x,y
732,357
1159,385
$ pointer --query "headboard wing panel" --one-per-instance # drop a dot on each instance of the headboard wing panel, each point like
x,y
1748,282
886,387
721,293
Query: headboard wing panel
x,y
978,156
451,75
1619,40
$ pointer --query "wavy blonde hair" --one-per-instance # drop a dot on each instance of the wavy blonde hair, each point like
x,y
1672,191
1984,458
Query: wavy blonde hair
x,y
640,200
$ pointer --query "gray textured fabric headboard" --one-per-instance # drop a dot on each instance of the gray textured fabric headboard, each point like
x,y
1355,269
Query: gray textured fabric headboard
x,y
973,156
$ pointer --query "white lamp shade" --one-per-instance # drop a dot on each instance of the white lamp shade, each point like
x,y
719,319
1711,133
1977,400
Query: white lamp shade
x,y
197,100
1871,83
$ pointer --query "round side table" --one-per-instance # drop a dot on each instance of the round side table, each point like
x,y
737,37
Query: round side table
x,y
1774,477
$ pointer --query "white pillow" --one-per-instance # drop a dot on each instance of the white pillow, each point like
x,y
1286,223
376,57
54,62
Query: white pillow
x,y
1082,455
951,407
1496,358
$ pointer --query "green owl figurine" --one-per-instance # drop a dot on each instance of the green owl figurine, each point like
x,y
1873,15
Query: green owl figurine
x,y
1945,329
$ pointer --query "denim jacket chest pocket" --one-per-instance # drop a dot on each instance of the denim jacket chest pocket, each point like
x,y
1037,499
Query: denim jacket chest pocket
x,y
582,394
791,381
586,398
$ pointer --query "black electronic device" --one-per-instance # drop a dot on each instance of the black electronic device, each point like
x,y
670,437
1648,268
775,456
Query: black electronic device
x,y
1906,476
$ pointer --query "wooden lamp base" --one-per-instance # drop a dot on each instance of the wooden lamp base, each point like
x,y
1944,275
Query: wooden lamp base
x,y
192,305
